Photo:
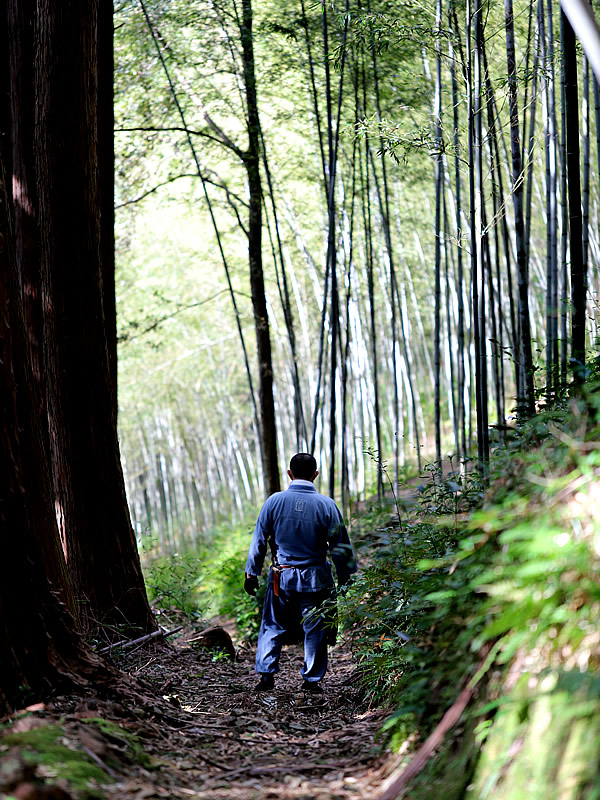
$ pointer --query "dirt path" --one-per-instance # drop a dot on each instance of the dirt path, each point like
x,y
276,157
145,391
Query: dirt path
x,y
208,735
237,743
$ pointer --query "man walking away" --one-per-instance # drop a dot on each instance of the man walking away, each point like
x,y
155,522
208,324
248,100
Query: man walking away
x,y
301,526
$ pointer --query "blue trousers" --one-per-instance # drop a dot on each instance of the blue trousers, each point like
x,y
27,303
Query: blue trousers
x,y
280,616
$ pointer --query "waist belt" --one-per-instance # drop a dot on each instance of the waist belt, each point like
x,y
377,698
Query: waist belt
x,y
278,569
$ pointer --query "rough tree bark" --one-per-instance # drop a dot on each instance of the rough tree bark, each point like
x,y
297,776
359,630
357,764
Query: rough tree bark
x,y
24,245
40,650
76,264
106,173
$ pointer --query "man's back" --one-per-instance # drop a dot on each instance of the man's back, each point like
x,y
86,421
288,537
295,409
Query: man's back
x,y
305,525
302,521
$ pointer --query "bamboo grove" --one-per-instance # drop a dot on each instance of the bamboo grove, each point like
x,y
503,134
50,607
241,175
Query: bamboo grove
x,y
410,190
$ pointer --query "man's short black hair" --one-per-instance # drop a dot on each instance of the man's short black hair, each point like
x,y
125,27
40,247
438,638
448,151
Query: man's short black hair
x,y
303,466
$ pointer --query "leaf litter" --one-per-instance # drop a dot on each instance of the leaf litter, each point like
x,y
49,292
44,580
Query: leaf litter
x,y
184,722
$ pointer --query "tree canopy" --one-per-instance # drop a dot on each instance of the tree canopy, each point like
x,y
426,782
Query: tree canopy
x,y
420,272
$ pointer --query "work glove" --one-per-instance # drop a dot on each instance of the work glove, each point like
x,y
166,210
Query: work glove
x,y
251,585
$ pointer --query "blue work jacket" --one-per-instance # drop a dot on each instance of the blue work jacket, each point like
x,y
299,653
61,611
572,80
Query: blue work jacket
x,y
307,526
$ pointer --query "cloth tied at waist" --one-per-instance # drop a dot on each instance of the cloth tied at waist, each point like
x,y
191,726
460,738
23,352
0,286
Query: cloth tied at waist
x,y
312,577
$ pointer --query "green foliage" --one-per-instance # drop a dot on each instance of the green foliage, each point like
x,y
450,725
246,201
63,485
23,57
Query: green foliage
x,y
519,573
545,734
220,655
222,582
450,493
129,744
542,589
409,622
172,581
208,581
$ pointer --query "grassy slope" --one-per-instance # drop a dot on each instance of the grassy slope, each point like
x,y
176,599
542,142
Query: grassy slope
x,y
518,575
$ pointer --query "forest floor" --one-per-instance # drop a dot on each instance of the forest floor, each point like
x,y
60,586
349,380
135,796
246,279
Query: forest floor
x,y
200,731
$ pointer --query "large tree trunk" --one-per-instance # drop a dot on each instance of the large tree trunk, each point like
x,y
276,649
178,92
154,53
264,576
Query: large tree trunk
x,y
76,268
20,19
106,173
24,245
257,284
40,651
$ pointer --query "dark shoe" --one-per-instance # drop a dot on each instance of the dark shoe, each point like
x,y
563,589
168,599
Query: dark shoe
x,y
314,687
266,682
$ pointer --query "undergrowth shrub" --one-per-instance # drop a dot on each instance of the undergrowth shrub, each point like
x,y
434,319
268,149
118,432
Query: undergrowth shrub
x,y
171,582
412,626
207,582
542,592
221,582
519,574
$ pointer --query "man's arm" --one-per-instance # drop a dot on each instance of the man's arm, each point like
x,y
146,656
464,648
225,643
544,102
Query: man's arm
x,y
341,550
258,545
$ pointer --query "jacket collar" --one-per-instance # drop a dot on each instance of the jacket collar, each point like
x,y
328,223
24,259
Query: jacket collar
x,y
300,485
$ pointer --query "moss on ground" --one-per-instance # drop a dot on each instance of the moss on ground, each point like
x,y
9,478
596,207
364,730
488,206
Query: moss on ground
x,y
131,747
46,750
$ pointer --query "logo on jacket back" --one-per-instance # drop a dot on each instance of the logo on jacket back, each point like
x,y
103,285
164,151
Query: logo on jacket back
x,y
300,505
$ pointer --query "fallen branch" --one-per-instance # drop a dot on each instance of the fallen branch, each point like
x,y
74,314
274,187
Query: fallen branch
x,y
160,634
400,778
109,771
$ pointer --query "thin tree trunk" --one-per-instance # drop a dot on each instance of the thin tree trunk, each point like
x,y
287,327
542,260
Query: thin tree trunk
x,y
513,332
345,488
257,285
495,299
448,343
578,276
331,243
315,96
459,252
301,434
257,422
551,202
385,214
525,354
528,161
585,136
367,226
475,177
437,113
